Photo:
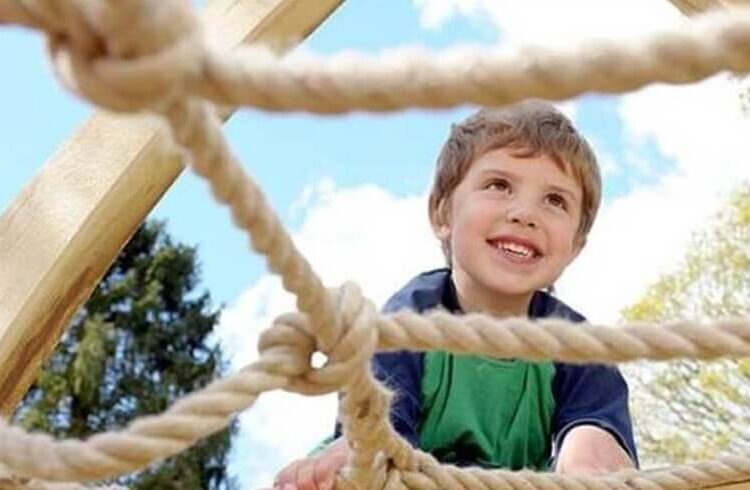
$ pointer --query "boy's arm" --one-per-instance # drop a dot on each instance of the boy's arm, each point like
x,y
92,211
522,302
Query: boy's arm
x,y
401,372
591,408
587,449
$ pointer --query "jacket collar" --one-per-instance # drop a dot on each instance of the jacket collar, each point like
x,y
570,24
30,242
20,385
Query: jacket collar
x,y
435,288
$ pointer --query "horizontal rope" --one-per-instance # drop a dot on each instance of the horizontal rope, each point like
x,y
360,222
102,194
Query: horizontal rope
x,y
564,341
287,347
186,63
487,76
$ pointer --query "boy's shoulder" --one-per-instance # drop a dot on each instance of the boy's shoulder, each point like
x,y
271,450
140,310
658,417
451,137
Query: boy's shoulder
x,y
421,293
544,305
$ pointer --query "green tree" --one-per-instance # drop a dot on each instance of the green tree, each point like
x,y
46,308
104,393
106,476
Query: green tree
x,y
690,410
138,344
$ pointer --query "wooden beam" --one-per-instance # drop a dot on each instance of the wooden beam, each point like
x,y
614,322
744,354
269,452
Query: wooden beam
x,y
61,233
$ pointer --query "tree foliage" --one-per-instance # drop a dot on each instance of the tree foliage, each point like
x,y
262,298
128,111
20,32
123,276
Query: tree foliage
x,y
690,410
138,343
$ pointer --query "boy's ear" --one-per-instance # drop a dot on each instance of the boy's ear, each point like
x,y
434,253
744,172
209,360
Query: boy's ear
x,y
578,245
442,231
439,222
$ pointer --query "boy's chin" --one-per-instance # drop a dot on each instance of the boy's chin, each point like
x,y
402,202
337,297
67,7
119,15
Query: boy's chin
x,y
513,285
511,290
514,292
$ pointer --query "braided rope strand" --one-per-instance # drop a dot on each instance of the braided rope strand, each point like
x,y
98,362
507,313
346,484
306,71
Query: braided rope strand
x,y
183,62
561,340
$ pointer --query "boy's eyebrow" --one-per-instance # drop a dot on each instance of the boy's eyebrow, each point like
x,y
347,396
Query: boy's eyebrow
x,y
494,171
510,175
563,190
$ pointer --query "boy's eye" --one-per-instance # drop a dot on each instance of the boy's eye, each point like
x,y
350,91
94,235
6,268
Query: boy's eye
x,y
557,201
498,184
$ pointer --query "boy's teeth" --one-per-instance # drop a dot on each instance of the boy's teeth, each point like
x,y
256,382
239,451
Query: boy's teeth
x,y
516,249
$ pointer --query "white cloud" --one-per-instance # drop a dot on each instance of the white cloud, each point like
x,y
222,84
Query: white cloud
x,y
554,22
644,234
362,234
433,13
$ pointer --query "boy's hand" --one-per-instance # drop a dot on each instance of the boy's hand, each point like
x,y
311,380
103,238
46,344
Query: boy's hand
x,y
317,472
590,450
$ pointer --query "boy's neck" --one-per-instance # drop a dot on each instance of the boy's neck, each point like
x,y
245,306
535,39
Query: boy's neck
x,y
501,306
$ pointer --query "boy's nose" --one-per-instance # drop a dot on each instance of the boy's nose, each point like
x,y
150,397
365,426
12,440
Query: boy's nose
x,y
523,215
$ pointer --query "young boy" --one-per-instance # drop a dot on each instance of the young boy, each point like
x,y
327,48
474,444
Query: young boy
x,y
515,194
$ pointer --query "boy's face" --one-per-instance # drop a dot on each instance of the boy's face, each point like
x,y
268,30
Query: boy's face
x,y
512,225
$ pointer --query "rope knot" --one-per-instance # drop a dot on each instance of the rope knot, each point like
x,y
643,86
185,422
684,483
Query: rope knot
x,y
287,347
122,55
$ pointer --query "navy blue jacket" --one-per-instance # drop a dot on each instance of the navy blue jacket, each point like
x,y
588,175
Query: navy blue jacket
x,y
590,394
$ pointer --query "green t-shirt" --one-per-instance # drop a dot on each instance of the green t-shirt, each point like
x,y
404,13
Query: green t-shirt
x,y
492,412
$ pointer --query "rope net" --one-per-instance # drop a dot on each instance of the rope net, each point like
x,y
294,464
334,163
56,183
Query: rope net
x,y
152,55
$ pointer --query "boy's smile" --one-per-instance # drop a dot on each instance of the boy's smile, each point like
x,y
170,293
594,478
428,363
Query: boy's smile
x,y
512,224
516,249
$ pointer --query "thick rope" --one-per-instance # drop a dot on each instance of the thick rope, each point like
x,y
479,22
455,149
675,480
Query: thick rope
x,y
431,475
8,481
110,62
286,349
181,60
488,76
196,127
563,341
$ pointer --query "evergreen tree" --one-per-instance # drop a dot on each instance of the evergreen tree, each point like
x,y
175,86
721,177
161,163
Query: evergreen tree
x,y
138,344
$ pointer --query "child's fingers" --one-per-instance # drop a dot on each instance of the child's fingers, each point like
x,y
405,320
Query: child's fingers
x,y
287,475
314,473
306,475
327,482
324,475
327,468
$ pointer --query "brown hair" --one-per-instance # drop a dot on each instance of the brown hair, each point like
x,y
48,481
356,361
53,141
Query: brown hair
x,y
532,127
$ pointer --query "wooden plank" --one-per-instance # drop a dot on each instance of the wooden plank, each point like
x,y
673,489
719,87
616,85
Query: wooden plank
x,y
61,233
281,23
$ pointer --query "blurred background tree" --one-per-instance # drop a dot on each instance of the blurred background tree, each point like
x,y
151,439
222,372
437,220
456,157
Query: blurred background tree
x,y
140,342
691,410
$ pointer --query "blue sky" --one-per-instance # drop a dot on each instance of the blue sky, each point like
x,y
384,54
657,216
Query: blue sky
x,y
351,188
340,148
395,151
